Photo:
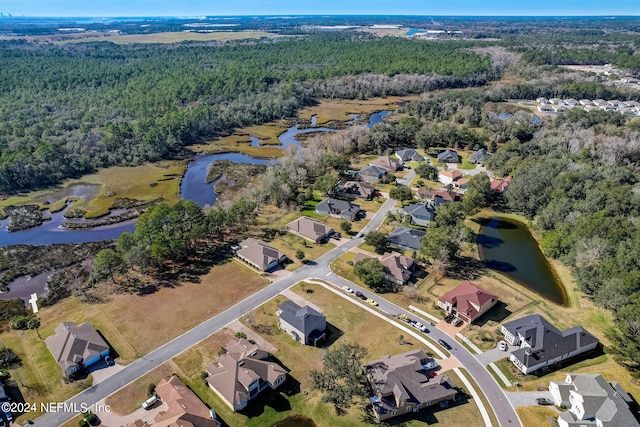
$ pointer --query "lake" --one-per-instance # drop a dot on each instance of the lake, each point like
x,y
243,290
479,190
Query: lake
x,y
508,247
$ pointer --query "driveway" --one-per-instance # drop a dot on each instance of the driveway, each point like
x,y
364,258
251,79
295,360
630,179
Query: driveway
x,y
527,398
495,354
100,371
110,419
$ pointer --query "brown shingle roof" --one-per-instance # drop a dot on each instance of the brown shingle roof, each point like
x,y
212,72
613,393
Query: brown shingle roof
x,y
185,408
453,174
259,253
387,163
309,228
72,344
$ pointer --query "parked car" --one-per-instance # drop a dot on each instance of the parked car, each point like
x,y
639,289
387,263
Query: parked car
x,y
419,326
444,344
543,401
347,289
109,361
372,302
456,322
449,318
360,295
432,374
444,403
502,345
150,402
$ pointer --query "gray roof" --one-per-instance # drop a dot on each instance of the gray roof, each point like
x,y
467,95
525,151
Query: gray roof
x,y
478,156
372,171
608,401
448,156
309,228
407,154
305,319
421,211
406,237
330,206
545,340
404,376
73,344
259,253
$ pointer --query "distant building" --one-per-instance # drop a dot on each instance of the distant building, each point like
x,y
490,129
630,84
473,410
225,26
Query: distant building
x,y
542,100
556,101
438,197
478,156
401,385
585,102
570,102
240,374
397,267
338,209
310,229
371,174
545,108
421,213
304,324
260,255
409,154
406,238
542,344
449,156
449,176
592,401
629,79
389,164
501,185
184,408
467,301
356,189
75,347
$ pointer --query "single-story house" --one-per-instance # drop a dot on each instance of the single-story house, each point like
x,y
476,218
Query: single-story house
x,y
467,301
631,104
542,100
304,324
560,108
600,102
184,408
371,174
388,163
477,157
448,156
592,401
570,102
449,176
405,238
461,183
409,154
75,347
421,213
356,189
614,103
542,344
260,255
545,108
585,102
629,79
401,384
310,229
338,208
589,108
240,374
438,197
500,185
397,267
556,101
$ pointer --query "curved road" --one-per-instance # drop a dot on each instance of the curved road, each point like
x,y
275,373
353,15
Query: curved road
x,y
320,268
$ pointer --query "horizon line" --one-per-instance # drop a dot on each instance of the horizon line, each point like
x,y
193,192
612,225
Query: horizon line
x,y
195,16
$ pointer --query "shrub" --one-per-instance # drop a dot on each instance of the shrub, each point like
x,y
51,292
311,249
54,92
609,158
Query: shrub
x,y
151,390
241,335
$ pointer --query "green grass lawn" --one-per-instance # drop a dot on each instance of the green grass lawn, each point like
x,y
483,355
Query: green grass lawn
x,y
290,243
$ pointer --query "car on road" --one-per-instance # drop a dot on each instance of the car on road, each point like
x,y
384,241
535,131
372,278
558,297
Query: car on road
x,y
444,344
543,401
360,295
372,302
419,326
347,289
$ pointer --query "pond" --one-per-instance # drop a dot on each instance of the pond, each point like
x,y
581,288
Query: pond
x,y
508,247
376,118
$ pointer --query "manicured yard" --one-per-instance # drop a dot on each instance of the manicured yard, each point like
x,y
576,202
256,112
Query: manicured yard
x,y
535,416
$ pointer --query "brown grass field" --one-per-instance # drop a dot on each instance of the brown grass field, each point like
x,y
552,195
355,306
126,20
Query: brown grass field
x,y
175,37
535,416
339,110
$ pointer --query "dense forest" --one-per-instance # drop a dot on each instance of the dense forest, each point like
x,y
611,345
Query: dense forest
x,y
66,110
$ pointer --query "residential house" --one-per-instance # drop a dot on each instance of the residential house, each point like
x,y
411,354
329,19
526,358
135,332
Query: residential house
x,y
421,213
600,102
570,102
356,189
338,208
467,301
401,385
260,255
500,185
438,197
542,344
556,101
405,238
449,176
560,108
542,100
240,374
629,79
409,154
448,156
75,347
589,108
592,401
631,104
304,324
614,103
545,108
310,229
477,157
397,267
184,408
371,174
388,163
585,102
461,183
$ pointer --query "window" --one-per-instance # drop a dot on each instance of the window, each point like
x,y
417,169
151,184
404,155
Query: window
x,y
408,408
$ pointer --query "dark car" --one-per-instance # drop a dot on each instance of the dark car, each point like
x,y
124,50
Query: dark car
x,y
444,344
449,318
543,401
360,295
109,361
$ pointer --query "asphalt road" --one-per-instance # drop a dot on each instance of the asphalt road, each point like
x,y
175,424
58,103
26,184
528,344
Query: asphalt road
x,y
319,268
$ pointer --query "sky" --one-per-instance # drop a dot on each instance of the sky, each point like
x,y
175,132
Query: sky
x,y
121,8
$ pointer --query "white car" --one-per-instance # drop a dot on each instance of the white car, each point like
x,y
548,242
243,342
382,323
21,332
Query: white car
x,y
419,326
348,289
503,346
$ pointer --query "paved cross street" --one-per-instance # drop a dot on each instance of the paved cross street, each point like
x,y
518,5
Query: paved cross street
x,y
319,268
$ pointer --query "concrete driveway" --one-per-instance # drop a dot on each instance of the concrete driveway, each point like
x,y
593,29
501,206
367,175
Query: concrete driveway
x,y
495,354
100,371
527,398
